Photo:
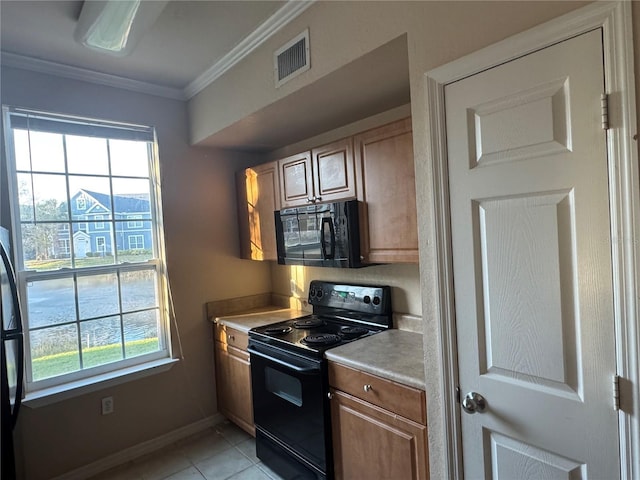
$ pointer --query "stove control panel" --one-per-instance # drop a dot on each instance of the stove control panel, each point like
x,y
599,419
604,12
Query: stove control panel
x,y
361,298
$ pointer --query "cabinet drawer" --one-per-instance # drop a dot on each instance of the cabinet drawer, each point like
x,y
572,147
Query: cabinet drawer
x,y
406,401
231,336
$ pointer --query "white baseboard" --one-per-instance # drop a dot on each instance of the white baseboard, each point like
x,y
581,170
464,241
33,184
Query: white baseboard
x,y
140,449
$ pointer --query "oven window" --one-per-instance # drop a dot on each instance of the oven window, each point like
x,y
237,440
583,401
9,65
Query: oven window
x,y
284,386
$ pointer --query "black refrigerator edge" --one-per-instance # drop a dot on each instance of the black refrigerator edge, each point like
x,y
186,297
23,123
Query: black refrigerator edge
x,y
11,358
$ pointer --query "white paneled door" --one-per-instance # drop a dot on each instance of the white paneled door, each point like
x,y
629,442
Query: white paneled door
x,y
532,266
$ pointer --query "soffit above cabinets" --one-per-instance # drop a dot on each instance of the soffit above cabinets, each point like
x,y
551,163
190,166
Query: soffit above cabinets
x,y
376,82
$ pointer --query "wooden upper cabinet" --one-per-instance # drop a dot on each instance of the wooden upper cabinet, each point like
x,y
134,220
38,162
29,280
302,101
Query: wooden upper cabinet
x,y
386,188
296,180
334,171
375,166
259,197
325,174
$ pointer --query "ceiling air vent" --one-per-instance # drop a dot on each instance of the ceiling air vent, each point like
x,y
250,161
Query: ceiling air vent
x,y
292,59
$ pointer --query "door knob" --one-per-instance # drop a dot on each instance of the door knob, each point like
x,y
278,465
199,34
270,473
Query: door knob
x,y
474,402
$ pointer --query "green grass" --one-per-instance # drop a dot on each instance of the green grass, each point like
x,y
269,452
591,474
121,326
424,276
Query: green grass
x,y
60,363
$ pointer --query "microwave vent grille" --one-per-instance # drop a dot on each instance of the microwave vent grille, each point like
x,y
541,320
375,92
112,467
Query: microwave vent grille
x,y
292,59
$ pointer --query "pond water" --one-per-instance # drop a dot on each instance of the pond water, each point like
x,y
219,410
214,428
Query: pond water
x,y
108,309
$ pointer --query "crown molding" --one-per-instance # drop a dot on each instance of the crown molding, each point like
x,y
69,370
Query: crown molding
x,y
75,73
279,19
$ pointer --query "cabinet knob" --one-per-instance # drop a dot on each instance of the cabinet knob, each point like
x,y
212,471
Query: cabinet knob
x,y
317,199
330,396
368,388
231,337
309,200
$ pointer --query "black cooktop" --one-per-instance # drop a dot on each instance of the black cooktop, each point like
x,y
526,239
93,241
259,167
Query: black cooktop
x,y
341,314
287,335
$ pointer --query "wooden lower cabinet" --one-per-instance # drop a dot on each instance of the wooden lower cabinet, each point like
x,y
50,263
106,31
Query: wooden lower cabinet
x,y
370,441
233,378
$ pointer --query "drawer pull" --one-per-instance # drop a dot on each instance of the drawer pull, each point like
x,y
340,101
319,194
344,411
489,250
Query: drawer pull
x,y
231,337
368,388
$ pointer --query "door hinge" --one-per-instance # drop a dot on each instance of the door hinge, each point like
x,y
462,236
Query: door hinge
x,y
616,392
604,110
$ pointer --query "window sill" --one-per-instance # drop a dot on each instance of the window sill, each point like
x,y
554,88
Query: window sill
x,y
48,396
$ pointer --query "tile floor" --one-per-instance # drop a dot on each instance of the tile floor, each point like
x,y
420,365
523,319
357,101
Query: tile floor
x,y
221,453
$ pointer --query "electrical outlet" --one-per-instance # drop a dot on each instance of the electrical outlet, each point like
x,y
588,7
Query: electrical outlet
x,y
107,405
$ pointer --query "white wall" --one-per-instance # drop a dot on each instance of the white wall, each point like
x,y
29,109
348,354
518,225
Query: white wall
x,y
198,193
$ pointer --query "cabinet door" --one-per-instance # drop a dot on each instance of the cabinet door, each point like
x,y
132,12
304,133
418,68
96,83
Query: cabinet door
x,y
233,386
334,171
388,219
296,181
258,197
370,442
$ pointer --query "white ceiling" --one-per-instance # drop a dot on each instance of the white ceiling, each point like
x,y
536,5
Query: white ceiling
x,y
187,39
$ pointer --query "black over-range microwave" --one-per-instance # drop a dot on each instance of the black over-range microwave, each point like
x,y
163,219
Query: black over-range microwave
x,y
319,235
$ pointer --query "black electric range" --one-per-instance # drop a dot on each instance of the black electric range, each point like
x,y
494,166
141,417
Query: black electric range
x,y
290,379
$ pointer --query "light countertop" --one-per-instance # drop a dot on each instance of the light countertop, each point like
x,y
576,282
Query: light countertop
x,y
258,317
396,355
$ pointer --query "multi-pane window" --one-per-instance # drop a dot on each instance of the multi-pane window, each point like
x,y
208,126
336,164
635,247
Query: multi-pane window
x,y
94,300
134,223
136,242
65,246
81,225
101,244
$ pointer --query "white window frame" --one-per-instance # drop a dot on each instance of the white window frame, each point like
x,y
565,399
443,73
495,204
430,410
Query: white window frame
x,y
98,222
135,223
136,238
82,224
159,360
81,203
104,244
65,245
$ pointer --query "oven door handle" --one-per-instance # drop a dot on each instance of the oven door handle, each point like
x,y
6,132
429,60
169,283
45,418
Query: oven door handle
x,y
282,363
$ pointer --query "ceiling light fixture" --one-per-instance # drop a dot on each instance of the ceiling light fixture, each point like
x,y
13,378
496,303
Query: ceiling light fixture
x,y
116,26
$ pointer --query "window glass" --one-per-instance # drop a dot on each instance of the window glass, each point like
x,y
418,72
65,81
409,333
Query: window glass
x,y
129,158
87,155
101,341
97,295
141,332
54,351
138,290
86,225
50,302
46,151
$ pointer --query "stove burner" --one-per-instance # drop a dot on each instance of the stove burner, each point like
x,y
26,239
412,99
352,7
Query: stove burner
x,y
312,322
321,339
277,330
352,331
